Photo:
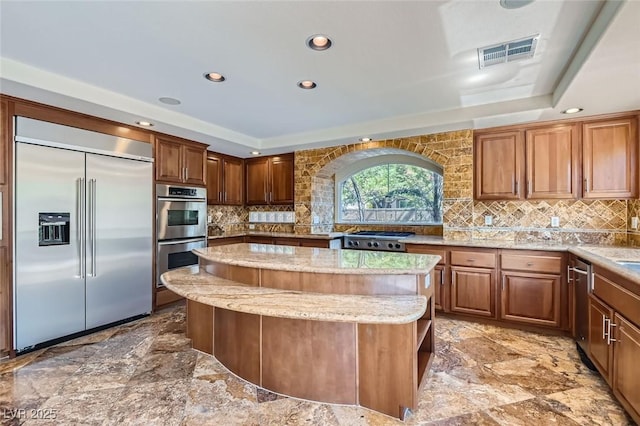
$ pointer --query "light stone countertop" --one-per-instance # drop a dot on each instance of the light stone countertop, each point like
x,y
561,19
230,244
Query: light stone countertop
x,y
319,260
327,236
606,256
203,287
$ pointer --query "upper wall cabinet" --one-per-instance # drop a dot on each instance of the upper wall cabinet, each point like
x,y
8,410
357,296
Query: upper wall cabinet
x,y
543,162
551,162
498,160
180,162
269,180
610,158
225,179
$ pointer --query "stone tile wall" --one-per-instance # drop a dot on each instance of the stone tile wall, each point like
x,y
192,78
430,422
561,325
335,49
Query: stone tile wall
x,y
633,235
236,219
581,221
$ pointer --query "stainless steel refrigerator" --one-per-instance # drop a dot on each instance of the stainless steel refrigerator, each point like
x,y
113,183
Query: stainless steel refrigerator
x,y
83,231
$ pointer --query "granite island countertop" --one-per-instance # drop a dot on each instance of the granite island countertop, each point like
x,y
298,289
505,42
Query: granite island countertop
x,y
202,287
327,236
319,260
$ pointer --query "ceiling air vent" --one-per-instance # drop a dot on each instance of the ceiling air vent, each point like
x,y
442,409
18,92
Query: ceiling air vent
x,y
508,51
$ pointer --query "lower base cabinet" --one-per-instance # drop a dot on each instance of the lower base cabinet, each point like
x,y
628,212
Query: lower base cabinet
x,y
626,373
531,298
600,347
473,291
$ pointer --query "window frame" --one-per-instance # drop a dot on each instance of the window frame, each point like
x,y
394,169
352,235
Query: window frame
x,y
378,160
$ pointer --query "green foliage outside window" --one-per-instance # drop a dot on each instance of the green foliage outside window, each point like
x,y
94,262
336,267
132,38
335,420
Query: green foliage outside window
x,y
392,193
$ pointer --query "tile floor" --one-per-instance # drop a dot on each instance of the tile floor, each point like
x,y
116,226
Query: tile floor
x,y
145,373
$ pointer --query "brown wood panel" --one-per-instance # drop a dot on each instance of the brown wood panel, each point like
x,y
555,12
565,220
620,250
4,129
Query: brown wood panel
x,y
52,114
498,165
440,288
214,180
626,370
286,242
315,243
524,261
531,298
258,239
600,352
610,158
5,138
240,274
388,367
168,161
233,170
613,294
340,283
5,326
236,343
552,162
195,164
475,259
200,326
256,174
473,291
310,359
165,296
281,179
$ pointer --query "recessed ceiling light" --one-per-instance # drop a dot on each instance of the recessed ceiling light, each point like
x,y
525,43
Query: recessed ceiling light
x,y
365,139
144,123
571,110
214,76
169,101
319,42
307,84
255,152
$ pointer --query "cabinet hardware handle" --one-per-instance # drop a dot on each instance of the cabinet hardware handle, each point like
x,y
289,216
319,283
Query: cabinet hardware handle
x,y
225,195
503,283
471,260
265,196
609,338
569,269
186,173
529,263
270,196
586,185
441,276
529,186
220,195
516,191
604,327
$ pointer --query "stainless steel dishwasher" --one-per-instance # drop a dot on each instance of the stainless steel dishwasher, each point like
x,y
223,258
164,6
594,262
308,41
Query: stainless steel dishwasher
x,y
582,275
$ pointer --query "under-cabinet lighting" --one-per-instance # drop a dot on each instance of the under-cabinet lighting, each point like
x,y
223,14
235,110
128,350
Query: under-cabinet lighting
x,y
144,123
572,110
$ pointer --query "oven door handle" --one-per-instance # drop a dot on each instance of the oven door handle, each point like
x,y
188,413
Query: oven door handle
x,y
174,242
183,200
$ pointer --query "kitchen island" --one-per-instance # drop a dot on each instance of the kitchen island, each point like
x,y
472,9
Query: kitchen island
x,y
337,326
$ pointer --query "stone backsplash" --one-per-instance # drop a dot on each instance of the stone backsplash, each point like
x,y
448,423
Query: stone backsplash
x,y
236,219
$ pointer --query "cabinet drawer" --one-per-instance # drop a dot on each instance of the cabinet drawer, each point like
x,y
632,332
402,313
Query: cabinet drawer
x,y
473,258
548,264
621,299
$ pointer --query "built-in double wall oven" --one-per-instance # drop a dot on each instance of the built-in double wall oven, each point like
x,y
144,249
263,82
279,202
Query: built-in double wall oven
x,y
181,214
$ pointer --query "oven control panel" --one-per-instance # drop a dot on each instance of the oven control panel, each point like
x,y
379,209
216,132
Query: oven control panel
x,y
359,243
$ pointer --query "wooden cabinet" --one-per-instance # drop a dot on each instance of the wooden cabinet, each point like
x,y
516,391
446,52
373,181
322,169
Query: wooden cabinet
x,y
224,241
5,227
5,314
531,290
551,162
473,282
626,373
269,180
498,163
441,284
610,158
5,140
179,161
294,241
225,180
600,348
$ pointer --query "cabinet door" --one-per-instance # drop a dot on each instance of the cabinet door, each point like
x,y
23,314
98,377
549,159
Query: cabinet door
x,y
498,163
281,182
4,142
233,181
626,370
473,291
195,158
531,298
169,167
214,180
256,180
551,162
600,351
610,159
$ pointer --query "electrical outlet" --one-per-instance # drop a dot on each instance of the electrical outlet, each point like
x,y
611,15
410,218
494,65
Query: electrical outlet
x,y
488,220
634,222
555,221
252,226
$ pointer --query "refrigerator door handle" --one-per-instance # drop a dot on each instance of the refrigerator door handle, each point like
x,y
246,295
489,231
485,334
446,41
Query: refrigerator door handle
x,y
91,232
94,229
80,226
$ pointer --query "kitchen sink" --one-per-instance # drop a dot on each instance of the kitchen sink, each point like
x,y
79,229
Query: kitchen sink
x,y
630,264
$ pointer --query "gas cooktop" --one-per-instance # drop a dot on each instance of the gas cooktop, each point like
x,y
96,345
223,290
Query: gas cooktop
x,y
376,240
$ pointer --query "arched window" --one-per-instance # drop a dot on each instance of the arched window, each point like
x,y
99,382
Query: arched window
x,y
390,189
